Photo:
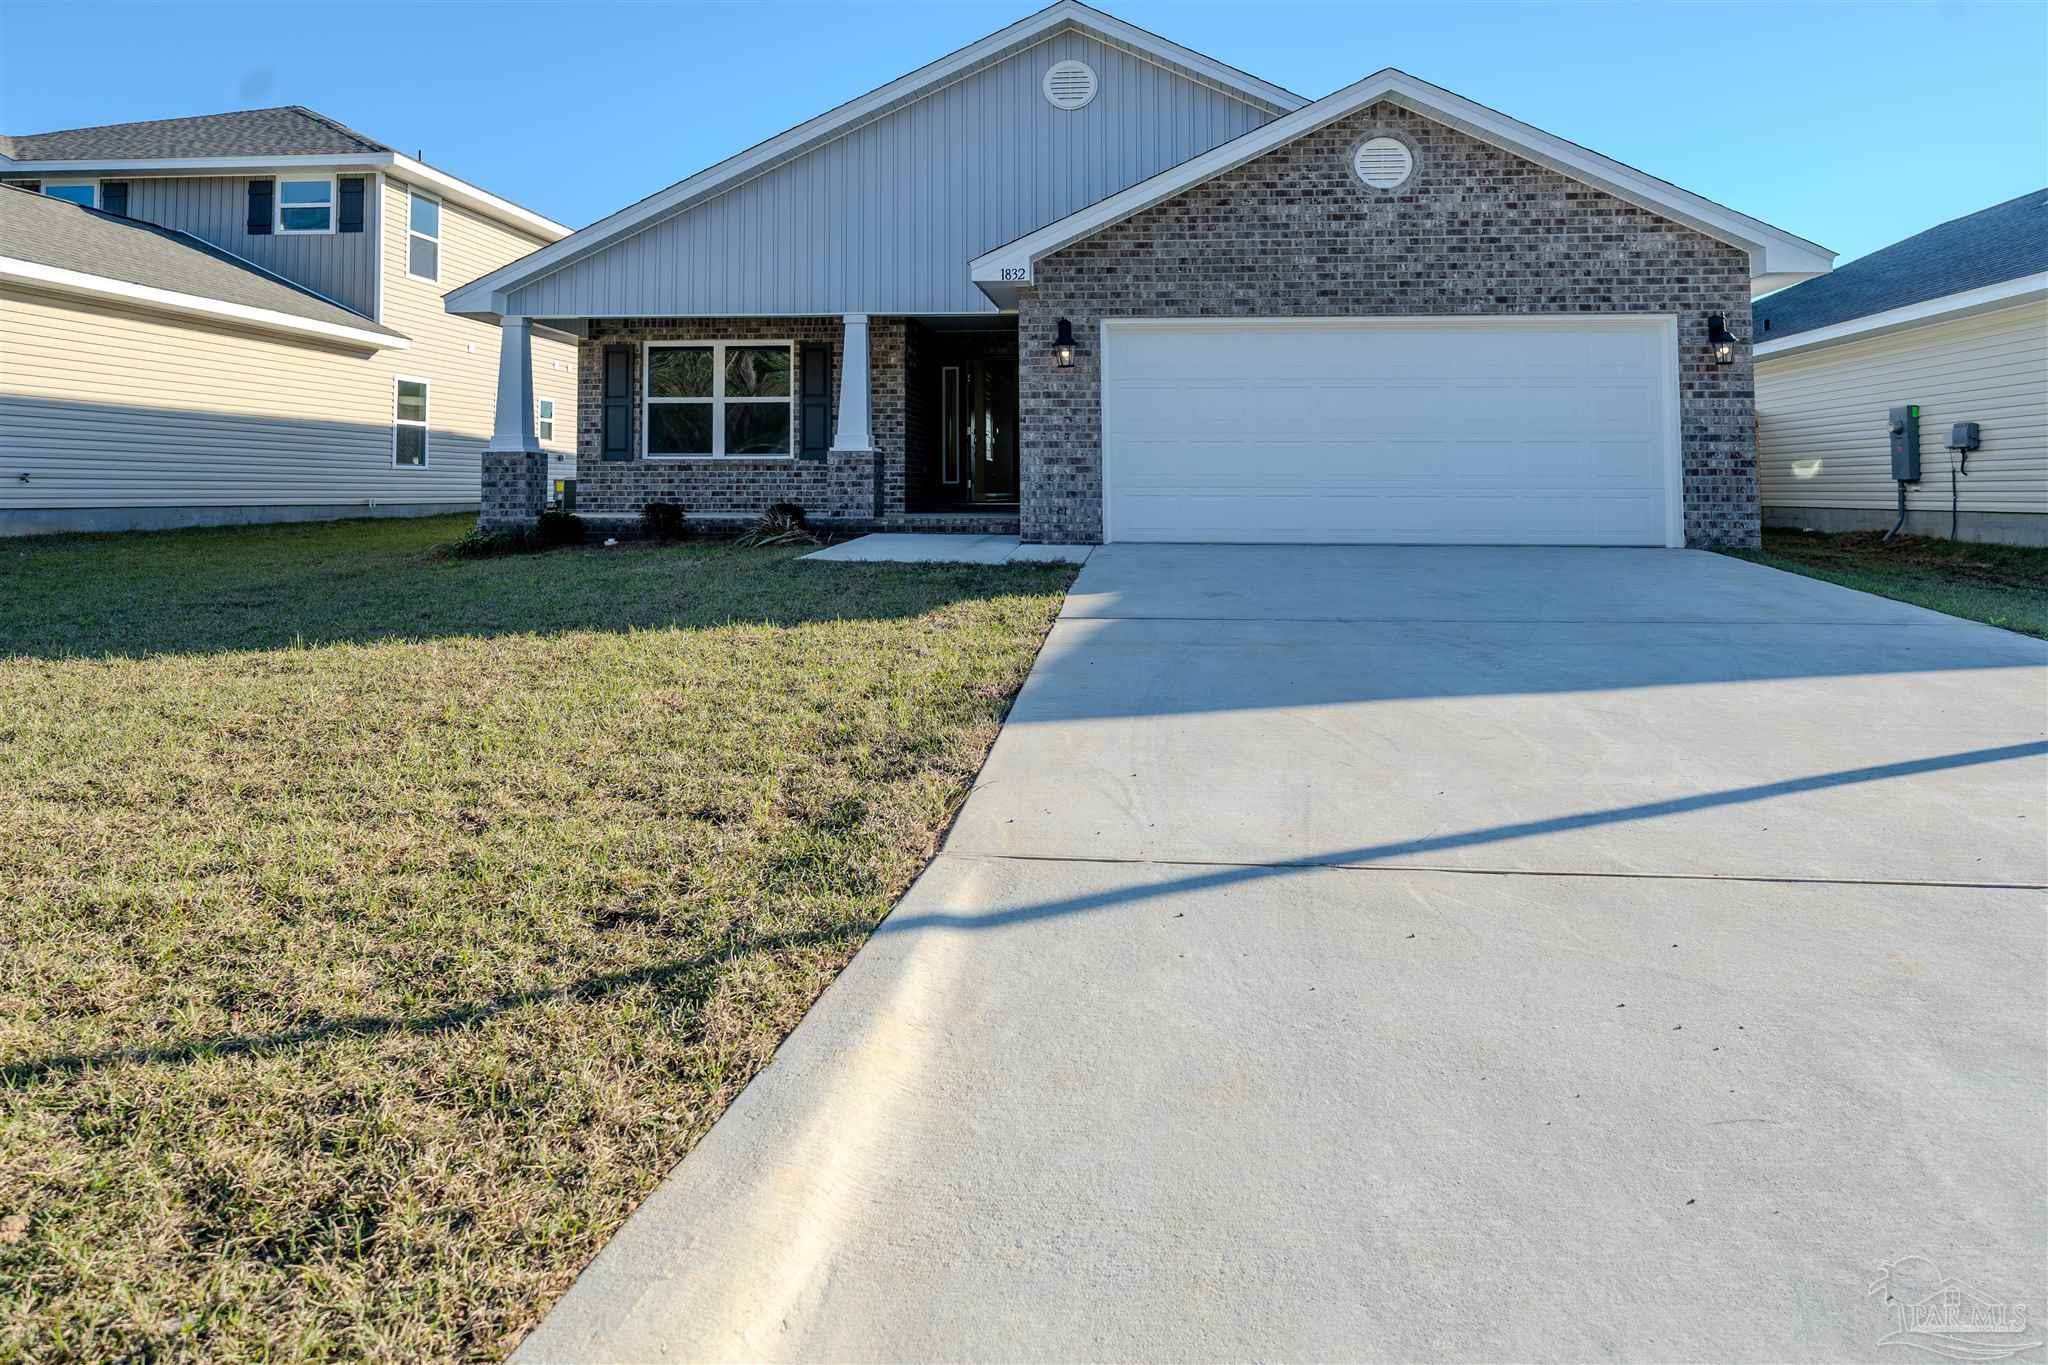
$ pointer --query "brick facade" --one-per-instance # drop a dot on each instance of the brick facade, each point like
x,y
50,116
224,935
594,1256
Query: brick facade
x,y
1293,233
855,487
514,489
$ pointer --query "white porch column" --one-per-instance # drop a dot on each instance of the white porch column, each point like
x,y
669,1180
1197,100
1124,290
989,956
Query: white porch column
x,y
515,468
513,428
853,433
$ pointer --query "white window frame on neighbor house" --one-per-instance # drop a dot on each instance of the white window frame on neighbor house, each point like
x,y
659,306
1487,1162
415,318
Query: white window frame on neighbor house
x,y
333,205
425,423
544,419
413,195
92,185
716,398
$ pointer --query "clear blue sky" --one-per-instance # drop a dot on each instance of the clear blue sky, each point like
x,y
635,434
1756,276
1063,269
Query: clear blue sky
x,y
1851,124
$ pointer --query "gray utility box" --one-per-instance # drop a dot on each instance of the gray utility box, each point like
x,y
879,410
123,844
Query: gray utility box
x,y
1905,432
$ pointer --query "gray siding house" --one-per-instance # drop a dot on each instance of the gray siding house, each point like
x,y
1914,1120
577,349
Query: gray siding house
x,y
1080,283
238,318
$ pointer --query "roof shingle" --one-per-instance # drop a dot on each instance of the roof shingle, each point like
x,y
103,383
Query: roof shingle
x,y
2000,243
289,130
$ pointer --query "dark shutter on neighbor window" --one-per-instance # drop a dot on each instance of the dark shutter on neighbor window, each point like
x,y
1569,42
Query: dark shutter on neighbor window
x,y
618,403
815,399
114,197
261,195
350,218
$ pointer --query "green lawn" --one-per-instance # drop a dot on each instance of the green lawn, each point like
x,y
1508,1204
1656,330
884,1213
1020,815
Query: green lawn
x,y
2000,585
376,928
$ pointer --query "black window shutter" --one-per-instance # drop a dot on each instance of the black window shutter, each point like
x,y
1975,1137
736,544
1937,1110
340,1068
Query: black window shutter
x,y
261,194
114,197
350,217
618,403
816,399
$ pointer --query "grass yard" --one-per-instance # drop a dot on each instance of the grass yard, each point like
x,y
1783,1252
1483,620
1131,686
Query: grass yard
x,y
377,928
2000,585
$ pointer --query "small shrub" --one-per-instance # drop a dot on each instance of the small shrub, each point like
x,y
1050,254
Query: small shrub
x,y
662,521
782,524
557,528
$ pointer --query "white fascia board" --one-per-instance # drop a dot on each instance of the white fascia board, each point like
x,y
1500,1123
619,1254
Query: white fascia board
x,y
1891,319
448,186
197,305
485,297
1002,272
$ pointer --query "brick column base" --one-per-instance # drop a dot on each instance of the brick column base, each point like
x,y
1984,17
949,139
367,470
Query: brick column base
x,y
515,484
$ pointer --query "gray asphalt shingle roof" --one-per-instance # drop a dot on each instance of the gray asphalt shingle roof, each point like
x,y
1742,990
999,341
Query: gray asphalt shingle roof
x,y
2000,243
57,233
289,130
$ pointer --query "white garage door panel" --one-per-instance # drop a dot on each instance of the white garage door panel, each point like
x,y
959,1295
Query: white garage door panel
x,y
1509,431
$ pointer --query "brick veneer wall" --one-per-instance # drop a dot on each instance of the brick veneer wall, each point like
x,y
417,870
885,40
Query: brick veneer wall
x,y
1294,234
844,486
514,488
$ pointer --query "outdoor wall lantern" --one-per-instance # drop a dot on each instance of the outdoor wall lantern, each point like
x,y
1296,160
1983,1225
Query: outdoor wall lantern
x,y
1063,346
1718,338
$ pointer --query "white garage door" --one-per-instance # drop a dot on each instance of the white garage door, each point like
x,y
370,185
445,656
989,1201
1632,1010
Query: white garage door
x,y
1480,431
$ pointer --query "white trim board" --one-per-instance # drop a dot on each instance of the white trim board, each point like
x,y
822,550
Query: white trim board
x,y
485,297
1891,319
1776,257
1665,326
167,168
197,305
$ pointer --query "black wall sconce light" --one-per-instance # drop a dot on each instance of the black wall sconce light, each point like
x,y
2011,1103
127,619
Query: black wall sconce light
x,y
1063,346
1719,339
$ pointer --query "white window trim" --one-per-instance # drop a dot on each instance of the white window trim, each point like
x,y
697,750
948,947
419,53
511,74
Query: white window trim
x,y
716,398
48,185
543,412
277,206
411,192
426,426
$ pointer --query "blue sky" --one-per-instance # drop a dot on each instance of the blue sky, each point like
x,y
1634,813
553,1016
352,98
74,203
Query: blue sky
x,y
1851,124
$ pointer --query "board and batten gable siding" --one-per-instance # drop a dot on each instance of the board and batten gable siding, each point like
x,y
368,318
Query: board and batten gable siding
x,y
340,265
464,400
107,406
1821,414
885,218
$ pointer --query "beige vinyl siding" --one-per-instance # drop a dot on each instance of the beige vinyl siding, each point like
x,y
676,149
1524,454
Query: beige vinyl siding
x,y
1821,415
106,405
465,393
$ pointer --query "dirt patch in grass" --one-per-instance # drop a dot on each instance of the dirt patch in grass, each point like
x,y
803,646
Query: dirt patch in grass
x,y
2000,585
376,928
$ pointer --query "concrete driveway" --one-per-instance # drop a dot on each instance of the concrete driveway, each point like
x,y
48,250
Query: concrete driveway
x,y
1415,954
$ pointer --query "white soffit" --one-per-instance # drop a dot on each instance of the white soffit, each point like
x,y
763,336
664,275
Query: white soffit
x,y
1775,256
1948,306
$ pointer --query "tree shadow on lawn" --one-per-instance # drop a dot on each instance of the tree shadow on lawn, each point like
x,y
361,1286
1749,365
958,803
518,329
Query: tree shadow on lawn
x,y
223,589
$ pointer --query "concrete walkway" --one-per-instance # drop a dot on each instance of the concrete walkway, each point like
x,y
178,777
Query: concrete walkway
x,y
931,547
1414,954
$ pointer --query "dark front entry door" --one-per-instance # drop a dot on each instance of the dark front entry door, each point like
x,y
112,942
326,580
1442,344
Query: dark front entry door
x,y
974,389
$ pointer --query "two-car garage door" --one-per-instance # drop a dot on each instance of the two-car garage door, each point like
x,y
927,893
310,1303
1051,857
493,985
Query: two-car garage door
x,y
1476,431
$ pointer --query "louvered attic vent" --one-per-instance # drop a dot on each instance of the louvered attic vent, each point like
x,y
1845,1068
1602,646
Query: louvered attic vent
x,y
1069,85
1384,163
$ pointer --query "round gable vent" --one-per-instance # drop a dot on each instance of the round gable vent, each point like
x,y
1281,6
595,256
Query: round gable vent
x,y
1069,85
1385,163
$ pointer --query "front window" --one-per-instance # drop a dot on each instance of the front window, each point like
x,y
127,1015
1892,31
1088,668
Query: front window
x,y
423,238
409,424
719,398
305,205
547,419
84,192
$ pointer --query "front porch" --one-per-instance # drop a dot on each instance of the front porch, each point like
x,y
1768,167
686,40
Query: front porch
x,y
883,424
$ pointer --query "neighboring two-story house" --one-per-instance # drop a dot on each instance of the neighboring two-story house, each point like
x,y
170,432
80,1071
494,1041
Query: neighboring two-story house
x,y
238,318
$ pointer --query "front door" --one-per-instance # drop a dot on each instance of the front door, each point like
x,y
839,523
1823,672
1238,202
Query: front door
x,y
992,443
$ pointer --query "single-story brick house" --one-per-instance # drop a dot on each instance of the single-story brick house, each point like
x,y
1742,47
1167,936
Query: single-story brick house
x,y
1082,283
